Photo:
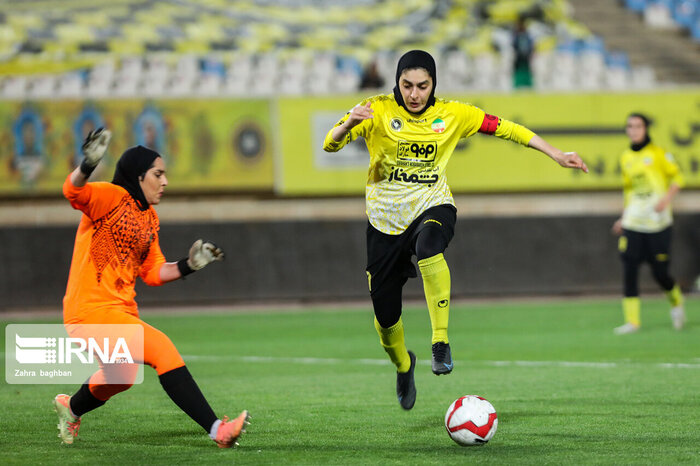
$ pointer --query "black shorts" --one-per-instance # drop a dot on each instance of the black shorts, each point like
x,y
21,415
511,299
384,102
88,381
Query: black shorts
x,y
389,256
640,247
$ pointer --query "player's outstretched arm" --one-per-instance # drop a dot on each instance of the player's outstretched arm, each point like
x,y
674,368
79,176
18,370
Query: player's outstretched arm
x,y
565,159
357,115
93,150
202,253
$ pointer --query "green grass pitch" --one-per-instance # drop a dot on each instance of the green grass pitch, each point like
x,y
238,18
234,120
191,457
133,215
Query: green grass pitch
x,y
321,391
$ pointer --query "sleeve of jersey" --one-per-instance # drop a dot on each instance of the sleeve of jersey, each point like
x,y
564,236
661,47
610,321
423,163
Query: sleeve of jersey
x,y
93,199
150,269
331,145
673,171
79,198
505,129
626,181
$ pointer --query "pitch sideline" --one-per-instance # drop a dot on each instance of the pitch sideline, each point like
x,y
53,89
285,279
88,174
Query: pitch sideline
x,y
385,362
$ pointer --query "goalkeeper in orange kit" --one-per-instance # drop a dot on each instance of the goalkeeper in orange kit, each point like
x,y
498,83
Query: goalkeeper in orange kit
x,y
116,242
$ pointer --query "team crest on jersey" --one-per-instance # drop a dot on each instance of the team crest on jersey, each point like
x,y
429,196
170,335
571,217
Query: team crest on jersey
x,y
438,125
647,160
396,124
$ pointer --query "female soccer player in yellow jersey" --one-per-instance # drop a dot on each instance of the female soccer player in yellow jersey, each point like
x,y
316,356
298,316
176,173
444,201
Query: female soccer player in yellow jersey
x,y
410,136
651,178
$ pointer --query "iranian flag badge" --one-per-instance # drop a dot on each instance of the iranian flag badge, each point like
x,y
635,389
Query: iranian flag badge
x,y
438,125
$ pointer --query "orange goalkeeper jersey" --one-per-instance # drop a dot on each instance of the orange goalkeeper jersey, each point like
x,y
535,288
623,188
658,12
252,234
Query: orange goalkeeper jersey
x,y
115,243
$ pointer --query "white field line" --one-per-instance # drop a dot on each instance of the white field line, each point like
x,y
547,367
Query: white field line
x,y
425,362
386,362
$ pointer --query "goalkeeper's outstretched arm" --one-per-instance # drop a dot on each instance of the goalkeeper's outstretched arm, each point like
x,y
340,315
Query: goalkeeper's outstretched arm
x,y
202,253
93,149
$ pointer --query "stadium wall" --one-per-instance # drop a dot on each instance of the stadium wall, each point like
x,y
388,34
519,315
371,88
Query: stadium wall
x,y
310,260
274,145
591,124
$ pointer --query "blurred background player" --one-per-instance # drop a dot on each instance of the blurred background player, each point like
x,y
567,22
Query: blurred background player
x,y
116,242
371,79
523,48
651,179
410,136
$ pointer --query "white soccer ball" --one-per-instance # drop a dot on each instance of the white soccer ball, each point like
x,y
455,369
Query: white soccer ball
x,y
471,420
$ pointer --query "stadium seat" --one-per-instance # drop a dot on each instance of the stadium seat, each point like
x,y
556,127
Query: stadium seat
x,y
685,12
643,77
564,70
456,69
636,5
186,40
209,84
71,85
14,87
181,84
658,14
591,64
695,29
485,63
541,65
42,87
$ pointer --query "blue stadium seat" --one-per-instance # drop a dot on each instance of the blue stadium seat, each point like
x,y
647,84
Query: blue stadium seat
x,y
636,5
685,12
695,29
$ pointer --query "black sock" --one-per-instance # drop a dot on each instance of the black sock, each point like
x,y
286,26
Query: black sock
x,y
183,390
84,401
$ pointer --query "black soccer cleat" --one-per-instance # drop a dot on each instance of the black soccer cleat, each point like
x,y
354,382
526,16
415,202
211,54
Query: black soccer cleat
x,y
442,358
406,385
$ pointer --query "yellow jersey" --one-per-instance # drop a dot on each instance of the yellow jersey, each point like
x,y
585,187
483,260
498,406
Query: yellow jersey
x,y
409,155
646,177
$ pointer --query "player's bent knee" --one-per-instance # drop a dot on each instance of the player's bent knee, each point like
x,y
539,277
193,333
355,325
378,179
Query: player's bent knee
x,y
430,242
159,351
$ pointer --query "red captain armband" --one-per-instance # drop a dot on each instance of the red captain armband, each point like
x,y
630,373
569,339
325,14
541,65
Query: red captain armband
x,y
490,124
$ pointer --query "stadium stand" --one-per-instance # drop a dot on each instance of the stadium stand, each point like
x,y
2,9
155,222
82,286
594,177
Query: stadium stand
x,y
147,48
669,14
664,45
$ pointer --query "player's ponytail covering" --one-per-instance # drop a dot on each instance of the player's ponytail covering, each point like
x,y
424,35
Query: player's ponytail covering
x,y
132,165
409,61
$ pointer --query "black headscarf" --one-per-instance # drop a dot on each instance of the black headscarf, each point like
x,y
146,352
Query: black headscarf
x,y
647,122
416,59
132,165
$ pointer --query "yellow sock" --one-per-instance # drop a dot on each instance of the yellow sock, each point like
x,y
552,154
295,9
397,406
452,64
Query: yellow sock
x,y
675,297
631,308
436,284
393,342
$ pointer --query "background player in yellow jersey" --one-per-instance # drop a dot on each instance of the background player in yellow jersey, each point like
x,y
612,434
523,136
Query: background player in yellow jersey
x,y
410,136
651,178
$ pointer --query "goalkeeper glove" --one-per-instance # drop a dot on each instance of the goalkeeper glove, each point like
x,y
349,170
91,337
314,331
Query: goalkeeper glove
x,y
94,149
202,253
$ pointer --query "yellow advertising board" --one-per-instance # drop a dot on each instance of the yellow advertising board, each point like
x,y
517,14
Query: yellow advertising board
x,y
590,124
208,145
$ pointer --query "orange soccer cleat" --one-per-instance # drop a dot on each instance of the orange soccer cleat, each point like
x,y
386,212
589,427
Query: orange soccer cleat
x,y
68,425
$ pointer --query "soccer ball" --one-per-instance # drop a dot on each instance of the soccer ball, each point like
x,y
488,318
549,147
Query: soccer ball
x,y
471,420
